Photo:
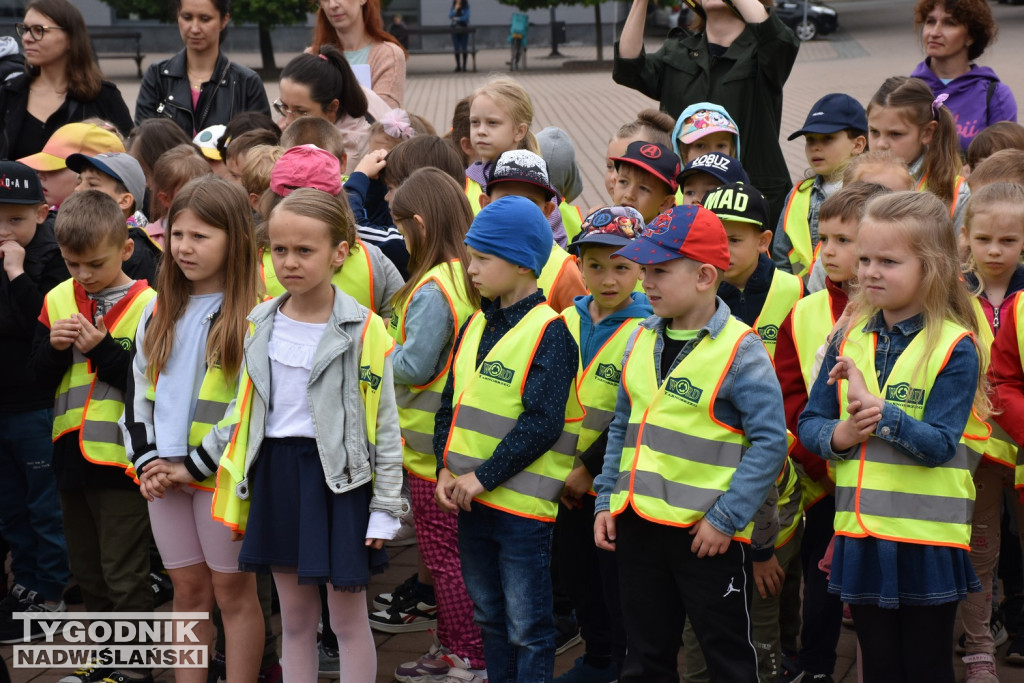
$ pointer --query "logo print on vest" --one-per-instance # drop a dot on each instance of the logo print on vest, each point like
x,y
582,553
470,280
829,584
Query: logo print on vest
x,y
496,372
904,394
768,333
124,342
394,318
680,388
366,376
607,372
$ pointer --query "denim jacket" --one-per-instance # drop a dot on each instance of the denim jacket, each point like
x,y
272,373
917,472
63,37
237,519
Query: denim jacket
x,y
781,244
749,399
931,441
340,429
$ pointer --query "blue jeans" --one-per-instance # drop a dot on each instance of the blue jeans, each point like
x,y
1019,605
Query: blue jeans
x,y
506,564
30,518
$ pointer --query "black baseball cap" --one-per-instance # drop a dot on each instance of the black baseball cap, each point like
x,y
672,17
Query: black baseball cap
x,y
739,202
722,166
19,184
521,166
654,158
832,113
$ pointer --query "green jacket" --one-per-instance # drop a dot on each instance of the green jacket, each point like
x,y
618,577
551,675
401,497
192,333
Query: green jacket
x,y
747,80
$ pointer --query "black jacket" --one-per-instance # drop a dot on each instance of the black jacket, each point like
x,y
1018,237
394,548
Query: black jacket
x,y
746,305
109,106
233,89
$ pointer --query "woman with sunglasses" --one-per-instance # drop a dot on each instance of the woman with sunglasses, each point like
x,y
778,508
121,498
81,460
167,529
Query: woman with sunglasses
x,y
200,87
61,83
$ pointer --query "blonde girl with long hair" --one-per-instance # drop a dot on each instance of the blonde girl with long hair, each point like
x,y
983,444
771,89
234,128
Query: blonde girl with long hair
x,y
900,391
177,410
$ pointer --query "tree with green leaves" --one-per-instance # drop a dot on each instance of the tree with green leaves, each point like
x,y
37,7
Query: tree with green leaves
x,y
266,14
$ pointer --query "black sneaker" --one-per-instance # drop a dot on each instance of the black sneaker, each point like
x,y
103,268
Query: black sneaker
x,y
12,631
90,673
405,617
121,677
403,592
1015,653
163,589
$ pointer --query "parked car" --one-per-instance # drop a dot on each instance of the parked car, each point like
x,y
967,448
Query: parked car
x,y
821,19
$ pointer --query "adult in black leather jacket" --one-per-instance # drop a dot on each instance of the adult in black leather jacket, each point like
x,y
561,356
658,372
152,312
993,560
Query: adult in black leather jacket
x,y
224,88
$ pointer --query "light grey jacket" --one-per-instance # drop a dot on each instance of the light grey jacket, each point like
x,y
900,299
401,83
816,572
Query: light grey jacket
x,y
335,404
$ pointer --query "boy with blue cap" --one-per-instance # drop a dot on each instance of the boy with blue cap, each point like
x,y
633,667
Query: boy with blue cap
x,y
698,438
505,437
835,131
707,172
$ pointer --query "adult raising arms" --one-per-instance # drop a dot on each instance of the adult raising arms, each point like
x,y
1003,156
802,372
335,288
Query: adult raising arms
x,y
61,83
356,28
739,57
954,33
200,87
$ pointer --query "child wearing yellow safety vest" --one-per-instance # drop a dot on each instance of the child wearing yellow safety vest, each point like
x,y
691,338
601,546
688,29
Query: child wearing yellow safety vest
x,y
84,343
696,444
898,395
505,437
601,323
835,131
755,291
994,230
803,333
178,407
523,173
312,475
432,212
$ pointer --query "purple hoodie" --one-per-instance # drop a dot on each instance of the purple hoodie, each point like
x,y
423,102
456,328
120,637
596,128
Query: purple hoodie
x,y
967,99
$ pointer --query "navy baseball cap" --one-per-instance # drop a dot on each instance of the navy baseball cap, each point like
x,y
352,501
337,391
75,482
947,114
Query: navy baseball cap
x,y
681,232
613,226
832,113
722,166
739,202
654,158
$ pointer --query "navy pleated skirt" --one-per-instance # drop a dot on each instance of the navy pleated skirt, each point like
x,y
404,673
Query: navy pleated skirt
x,y
297,524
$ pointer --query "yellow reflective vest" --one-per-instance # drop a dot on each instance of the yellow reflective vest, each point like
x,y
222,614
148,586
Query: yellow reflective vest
x,y
958,184
572,220
487,405
797,228
558,260
82,402
784,292
677,459
231,490
473,192
355,278
1000,447
882,492
790,503
417,405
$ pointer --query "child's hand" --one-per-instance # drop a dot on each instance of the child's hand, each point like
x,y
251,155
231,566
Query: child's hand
x,y
13,255
375,543
576,486
604,531
857,428
768,577
707,540
465,489
372,163
443,492
857,389
89,335
237,536
64,332
153,482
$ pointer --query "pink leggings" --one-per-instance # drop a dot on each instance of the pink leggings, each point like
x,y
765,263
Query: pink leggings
x,y
438,541
186,532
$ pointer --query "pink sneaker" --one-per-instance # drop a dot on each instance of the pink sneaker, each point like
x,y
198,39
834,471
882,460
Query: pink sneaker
x,y
981,668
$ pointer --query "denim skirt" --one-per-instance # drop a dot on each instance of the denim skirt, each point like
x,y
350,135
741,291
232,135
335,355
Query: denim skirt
x,y
297,525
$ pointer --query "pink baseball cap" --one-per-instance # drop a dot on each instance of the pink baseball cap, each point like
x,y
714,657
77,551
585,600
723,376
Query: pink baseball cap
x,y
73,138
306,166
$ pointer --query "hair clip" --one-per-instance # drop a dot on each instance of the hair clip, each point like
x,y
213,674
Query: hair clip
x,y
396,124
938,103
323,57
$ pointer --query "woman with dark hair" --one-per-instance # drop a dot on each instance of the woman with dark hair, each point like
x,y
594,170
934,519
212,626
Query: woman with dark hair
x,y
356,28
323,85
61,83
200,87
739,56
954,34
459,17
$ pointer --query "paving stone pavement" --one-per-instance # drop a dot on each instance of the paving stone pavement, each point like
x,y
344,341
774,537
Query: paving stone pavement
x,y
875,41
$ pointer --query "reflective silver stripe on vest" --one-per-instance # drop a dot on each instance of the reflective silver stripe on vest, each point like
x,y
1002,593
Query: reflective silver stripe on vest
x,y
789,511
209,412
881,452
1000,433
686,446
104,432
74,397
497,426
526,483
418,441
597,420
682,496
898,505
427,401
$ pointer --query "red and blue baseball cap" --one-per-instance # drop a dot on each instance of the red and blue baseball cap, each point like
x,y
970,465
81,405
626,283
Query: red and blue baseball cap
x,y
688,231
722,166
832,113
654,158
